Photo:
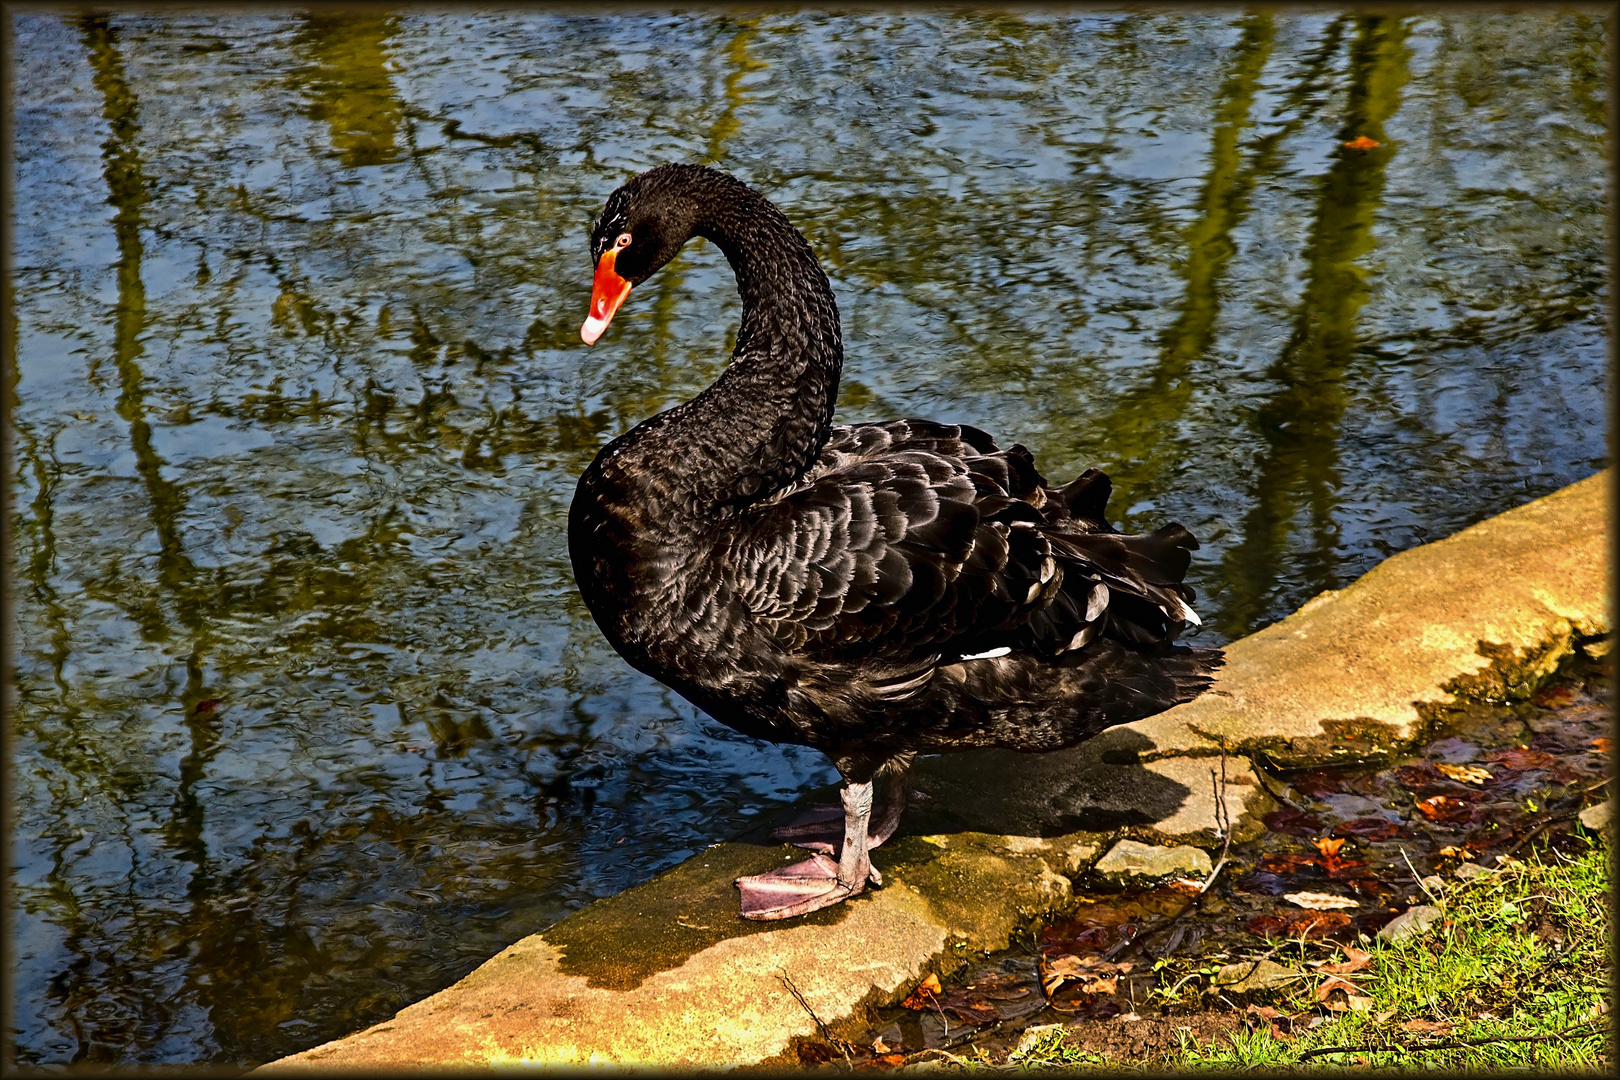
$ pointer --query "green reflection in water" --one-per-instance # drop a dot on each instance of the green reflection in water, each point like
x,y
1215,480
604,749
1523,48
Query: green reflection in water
x,y
1300,425
348,85
310,720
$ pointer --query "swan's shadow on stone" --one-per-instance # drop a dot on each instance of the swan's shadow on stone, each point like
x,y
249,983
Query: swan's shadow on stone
x,y
1098,786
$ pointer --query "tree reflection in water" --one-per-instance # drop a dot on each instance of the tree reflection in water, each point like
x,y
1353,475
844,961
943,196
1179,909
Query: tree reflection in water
x,y
309,719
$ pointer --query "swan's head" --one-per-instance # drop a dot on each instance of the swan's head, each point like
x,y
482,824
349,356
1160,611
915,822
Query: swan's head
x,y
643,225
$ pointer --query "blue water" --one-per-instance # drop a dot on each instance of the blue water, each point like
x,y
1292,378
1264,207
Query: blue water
x,y
309,720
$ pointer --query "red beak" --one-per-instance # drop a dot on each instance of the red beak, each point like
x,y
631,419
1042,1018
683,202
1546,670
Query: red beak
x,y
607,293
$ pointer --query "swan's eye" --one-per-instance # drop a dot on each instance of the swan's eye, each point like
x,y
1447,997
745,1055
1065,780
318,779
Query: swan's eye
x,y
622,242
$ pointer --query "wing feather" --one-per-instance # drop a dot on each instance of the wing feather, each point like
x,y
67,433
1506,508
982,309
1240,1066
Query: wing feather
x,y
912,544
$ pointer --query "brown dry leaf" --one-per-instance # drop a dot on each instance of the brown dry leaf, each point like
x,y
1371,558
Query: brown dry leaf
x,y
1317,901
923,996
1521,757
1444,809
1328,847
879,1047
1355,999
1332,983
1553,697
1186,886
1601,744
1313,924
972,1008
1465,774
1362,143
1092,975
1450,852
1427,1027
1288,863
1354,960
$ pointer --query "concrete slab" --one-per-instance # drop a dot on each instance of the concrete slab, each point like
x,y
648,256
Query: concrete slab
x,y
668,974
1486,614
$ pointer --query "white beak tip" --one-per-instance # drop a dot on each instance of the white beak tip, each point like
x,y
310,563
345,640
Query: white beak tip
x,y
592,329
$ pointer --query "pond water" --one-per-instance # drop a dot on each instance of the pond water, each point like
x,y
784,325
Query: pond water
x,y
308,719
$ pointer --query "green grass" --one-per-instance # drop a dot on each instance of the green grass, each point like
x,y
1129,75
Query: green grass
x,y
1486,958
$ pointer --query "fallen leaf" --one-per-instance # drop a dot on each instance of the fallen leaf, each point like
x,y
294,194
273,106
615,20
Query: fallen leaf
x,y
1449,852
1355,1000
1362,143
1186,886
1445,810
1315,924
1368,828
1289,863
1384,1016
1568,772
924,996
1100,926
1520,757
1291,822
1428,1027
879,1047
1328,847
1279,1024
1267,884
1465,774
1318,782
1316,901
815,1053
1553,697
1000,986
1091,974
1417,776
1367,886
1354,960
970,1007
1333,983
1601,744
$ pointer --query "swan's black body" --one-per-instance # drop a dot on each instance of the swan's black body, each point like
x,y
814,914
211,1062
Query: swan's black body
x,y
836,587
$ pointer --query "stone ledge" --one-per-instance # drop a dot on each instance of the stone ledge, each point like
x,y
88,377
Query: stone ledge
x,y
667,974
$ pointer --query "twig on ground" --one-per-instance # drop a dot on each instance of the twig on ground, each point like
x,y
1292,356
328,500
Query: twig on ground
x,y
942,1052
1587,1028
1260,778
963,1036
1223,822
1223,819
1576,795
1593,786
1538,830
1255,962
787,982
1415,875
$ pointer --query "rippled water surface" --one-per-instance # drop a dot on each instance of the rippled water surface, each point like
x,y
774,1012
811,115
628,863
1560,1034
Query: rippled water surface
x,y
308,719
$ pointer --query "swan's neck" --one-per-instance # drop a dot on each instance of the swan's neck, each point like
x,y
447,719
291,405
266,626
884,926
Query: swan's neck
x,y
764,421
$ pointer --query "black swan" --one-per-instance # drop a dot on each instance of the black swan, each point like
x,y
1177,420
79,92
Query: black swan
x,y
873,591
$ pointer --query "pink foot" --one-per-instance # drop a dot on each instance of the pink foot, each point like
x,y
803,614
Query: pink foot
x,y
820,828
794,890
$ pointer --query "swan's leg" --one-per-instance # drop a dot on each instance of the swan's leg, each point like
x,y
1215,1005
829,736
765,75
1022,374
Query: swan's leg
x,y
817,882
820,828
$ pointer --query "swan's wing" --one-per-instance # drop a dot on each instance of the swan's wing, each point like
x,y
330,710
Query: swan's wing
x,y
914,544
